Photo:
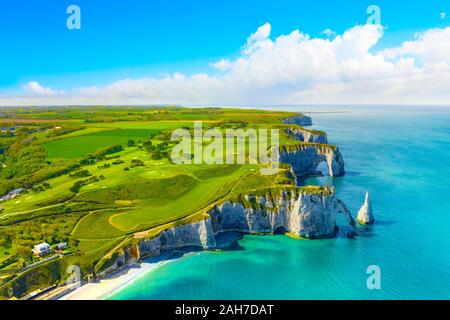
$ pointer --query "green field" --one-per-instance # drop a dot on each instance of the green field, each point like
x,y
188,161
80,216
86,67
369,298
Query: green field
x,y
81,145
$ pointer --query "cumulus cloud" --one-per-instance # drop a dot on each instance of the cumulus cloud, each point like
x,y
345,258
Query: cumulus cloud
x,y
430,49
289,69
261,34
35,89
222,65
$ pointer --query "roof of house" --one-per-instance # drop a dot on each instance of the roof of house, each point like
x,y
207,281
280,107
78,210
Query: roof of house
x,y
42,246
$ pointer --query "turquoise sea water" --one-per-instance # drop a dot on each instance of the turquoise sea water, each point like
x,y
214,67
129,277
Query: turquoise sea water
x,y
403,159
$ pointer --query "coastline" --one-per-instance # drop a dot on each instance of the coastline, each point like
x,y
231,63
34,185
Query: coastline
x,y
106,286
111,284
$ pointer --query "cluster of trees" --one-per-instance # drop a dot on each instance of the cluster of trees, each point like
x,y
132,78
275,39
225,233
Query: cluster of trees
x,y
117,161
136,163
156,151
41,187
23,160
80,174
105,166
101,154
235,124
80,183
26,166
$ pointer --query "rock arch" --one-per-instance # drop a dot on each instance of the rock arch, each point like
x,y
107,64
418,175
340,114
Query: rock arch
x,y
305,159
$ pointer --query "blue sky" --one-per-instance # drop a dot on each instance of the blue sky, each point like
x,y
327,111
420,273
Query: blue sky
x,y
142,38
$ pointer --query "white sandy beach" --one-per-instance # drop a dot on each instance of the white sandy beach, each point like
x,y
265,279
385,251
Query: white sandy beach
x,y
110,285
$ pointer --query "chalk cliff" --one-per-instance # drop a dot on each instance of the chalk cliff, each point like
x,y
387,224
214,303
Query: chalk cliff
x,y
199,234
300,120
305,158
365,214
308,213
298,133
304,213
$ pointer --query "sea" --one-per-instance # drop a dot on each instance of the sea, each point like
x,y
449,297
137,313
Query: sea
x,y
401,156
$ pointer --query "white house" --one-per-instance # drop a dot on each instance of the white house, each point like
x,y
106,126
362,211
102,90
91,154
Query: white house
x,y
41,249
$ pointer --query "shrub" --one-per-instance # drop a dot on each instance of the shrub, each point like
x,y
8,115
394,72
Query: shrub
x,y
80,174
118,161
136,163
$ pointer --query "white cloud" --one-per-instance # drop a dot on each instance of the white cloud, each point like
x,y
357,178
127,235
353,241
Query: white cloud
x,y
443,14
261,34
35,89
289,69
222,65
430,48
329,33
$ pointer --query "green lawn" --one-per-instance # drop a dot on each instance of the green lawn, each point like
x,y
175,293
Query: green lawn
x,y
152,212
80,145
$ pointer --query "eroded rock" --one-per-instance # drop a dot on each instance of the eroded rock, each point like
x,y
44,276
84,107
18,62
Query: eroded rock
x,y
365,213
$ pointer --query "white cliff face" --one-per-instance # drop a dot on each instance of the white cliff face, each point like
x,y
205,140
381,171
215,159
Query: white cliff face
x,y
269,216
305,159
305,215
365,214
300,120
198,234
317,216
306,135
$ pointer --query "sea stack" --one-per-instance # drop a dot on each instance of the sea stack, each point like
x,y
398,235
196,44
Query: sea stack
x,y
365,214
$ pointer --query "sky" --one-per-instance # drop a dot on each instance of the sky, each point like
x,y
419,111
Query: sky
x,y
224,52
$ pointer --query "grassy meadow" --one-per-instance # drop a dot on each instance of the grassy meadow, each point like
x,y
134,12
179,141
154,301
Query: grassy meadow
x,y
81,145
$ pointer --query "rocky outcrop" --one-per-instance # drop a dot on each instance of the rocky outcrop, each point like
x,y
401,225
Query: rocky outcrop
x,y
365,214
305,158
304,135
199,234
304,214
300,120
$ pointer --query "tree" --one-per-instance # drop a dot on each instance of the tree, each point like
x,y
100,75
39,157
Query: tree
x,y
131,143
23,251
